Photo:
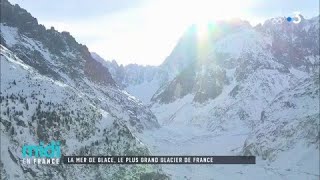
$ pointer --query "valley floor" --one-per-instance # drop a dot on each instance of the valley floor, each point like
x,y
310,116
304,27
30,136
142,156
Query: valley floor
x,y
186,140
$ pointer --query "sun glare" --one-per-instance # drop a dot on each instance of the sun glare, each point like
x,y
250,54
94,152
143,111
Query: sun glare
x,y
211,11
204,14
200,12
202,30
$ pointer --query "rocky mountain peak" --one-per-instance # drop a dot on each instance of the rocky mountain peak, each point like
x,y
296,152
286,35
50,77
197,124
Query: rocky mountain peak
x,y
53,89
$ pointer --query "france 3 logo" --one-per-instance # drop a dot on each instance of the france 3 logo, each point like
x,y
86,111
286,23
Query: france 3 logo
x,y
296,19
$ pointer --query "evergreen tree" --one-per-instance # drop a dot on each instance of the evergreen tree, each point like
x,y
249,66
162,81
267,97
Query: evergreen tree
x,y
27,106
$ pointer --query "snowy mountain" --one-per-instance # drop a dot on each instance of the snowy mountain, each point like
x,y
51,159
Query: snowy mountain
x,y
236,90
142,81
241,90
52,89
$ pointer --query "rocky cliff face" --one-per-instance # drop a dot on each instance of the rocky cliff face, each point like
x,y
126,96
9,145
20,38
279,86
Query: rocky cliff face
x,y
260,84
247,49
52,89
291,118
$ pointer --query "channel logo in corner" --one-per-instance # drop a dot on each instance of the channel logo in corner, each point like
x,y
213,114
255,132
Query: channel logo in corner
x,y
296,19
42,154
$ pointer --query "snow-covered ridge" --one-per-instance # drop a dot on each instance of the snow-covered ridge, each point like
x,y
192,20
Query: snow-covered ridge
x,y
254,91
35,107
52,89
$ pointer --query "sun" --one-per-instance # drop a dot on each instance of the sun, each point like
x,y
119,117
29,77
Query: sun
x,y
208,10
171,19
204,13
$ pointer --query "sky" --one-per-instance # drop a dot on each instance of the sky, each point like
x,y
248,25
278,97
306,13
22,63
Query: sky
x,y
146,31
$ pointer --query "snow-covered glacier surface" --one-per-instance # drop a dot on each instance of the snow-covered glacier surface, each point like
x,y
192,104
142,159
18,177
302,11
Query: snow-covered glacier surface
x,y
262,100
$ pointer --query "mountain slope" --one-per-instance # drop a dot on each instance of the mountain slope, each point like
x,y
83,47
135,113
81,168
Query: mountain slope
x,y
259,84
243,90
142,81
35,107
52,89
